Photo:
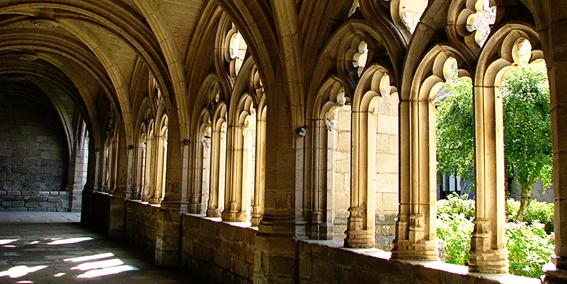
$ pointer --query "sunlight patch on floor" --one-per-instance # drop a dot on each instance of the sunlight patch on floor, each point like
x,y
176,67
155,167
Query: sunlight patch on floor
x,y
70,241
7,241
89,257
21,270
98,264
107,271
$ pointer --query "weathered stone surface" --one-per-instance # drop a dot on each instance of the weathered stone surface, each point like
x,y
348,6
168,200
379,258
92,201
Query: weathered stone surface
x,y
26,168
218,249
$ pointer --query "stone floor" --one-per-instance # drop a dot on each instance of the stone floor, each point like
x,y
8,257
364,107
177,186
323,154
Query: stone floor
x,y
53,248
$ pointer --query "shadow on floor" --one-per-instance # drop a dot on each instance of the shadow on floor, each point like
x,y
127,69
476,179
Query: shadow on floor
x,y
65,252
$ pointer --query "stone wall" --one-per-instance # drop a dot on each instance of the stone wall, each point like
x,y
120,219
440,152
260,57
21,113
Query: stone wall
x,y
33,156
328,262
141,226
386,178
387,168
221,252
339,176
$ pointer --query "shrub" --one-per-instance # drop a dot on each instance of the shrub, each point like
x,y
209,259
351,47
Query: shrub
x,y
536,211
529,243
455,204
455,233
541,212
529,248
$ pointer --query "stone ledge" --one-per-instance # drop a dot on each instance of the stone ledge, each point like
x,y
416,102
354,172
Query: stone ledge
x,y
443,271
143,203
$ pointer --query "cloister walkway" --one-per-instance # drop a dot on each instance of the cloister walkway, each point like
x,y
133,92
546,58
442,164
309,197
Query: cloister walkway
x,y
54,248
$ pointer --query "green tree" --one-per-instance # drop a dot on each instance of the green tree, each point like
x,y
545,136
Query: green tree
x,y
527,131
455,128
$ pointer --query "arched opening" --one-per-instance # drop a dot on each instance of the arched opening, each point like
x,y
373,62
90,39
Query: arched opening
x,y
217,178
236,51
206,167
239,196
513,139
149,180
374,164
141,162
338,148
161,156
331,161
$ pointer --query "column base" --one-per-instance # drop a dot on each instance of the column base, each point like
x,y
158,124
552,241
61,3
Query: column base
x,y
323,231
357,234
493,261
555,275
213,212
234,216
178,206
256,219
423,250
359,239
484,258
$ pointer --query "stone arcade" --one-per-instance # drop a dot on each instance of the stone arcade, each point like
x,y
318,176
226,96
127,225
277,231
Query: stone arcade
x,y
269,141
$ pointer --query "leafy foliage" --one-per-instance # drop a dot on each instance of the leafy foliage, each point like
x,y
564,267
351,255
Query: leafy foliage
x,y
455,205
527,131
455,233
529,244
541,212
455,128
529,248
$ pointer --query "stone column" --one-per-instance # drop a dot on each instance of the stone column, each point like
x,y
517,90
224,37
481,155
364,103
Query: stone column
x,y
77,174
87,208
283,219
260,178
321,225
233,209
74,189
361,221
123,188
175,203
488,244
556,56
217,170
201,154
197,169
415,228
275,258
140,159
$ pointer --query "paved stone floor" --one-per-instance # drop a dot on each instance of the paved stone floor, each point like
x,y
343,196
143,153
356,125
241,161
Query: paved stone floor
x,y
53,248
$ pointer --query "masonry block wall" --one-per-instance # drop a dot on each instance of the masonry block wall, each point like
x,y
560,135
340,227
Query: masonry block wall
x,y
386,171
141,226
325,262
338,165
222,252
33,156
218,251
